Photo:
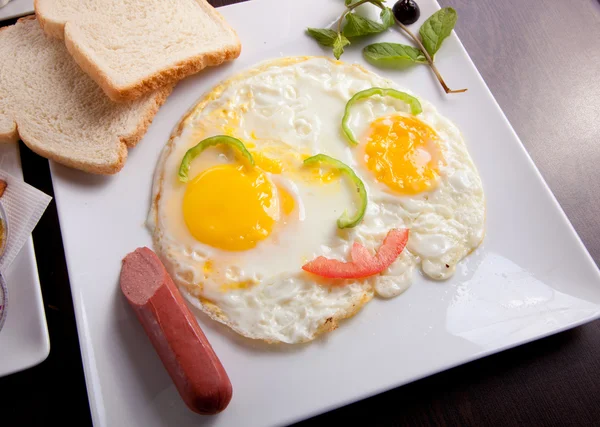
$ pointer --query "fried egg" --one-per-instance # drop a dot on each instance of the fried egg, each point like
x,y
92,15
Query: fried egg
x,y
235,236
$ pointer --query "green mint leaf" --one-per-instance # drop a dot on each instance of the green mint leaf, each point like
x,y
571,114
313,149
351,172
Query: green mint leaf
x,y
393,55
338,45
437,27
357,26
387,17
324,36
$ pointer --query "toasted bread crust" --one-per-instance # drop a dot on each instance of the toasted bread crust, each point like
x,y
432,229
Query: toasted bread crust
x,y
164,77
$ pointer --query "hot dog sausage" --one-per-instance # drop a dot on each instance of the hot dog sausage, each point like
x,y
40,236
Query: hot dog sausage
x,y
177,338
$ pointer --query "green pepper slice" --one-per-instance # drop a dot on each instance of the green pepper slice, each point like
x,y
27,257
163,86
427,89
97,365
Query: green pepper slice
x,y
415,106
193,152
345,220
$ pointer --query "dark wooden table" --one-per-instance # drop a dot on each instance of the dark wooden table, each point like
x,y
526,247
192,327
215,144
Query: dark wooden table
x,y
541,59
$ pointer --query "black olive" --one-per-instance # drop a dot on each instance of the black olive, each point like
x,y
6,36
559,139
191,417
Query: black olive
x,y
406,11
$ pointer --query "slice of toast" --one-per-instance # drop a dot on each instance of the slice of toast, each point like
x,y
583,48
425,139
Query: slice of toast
x,y
131,47
58,110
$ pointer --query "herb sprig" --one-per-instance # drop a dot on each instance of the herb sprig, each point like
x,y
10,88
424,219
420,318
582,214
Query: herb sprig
x,y
432,33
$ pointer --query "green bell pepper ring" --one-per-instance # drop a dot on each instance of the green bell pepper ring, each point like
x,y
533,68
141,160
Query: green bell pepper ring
x,y
193,152
415,106
345,220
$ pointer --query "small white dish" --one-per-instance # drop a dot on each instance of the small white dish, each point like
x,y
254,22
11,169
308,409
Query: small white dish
x,y
24,340
3,301
4,230
4,236
531,277
16,8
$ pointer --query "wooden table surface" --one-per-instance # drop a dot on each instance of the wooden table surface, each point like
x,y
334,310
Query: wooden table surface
x,y
541,60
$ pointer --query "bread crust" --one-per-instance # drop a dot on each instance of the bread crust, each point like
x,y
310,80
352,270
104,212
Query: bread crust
x,y
51,28
166,76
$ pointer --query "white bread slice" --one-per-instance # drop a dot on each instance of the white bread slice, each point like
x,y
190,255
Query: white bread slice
x,y
58,111
131,47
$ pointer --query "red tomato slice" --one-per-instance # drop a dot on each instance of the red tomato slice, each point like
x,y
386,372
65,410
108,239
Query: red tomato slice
x,y
363,264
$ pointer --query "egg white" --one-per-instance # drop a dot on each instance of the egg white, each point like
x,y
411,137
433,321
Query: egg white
x,y
288,108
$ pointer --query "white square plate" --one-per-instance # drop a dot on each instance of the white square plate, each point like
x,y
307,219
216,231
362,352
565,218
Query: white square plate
x,y
531,277
16,8
24,338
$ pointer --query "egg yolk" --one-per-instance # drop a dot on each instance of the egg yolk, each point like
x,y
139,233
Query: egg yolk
x,y
403,153
229,207
286,200
267,164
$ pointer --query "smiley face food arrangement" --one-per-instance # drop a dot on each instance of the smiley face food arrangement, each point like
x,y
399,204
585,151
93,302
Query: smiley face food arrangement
x,y
294,192
288,198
